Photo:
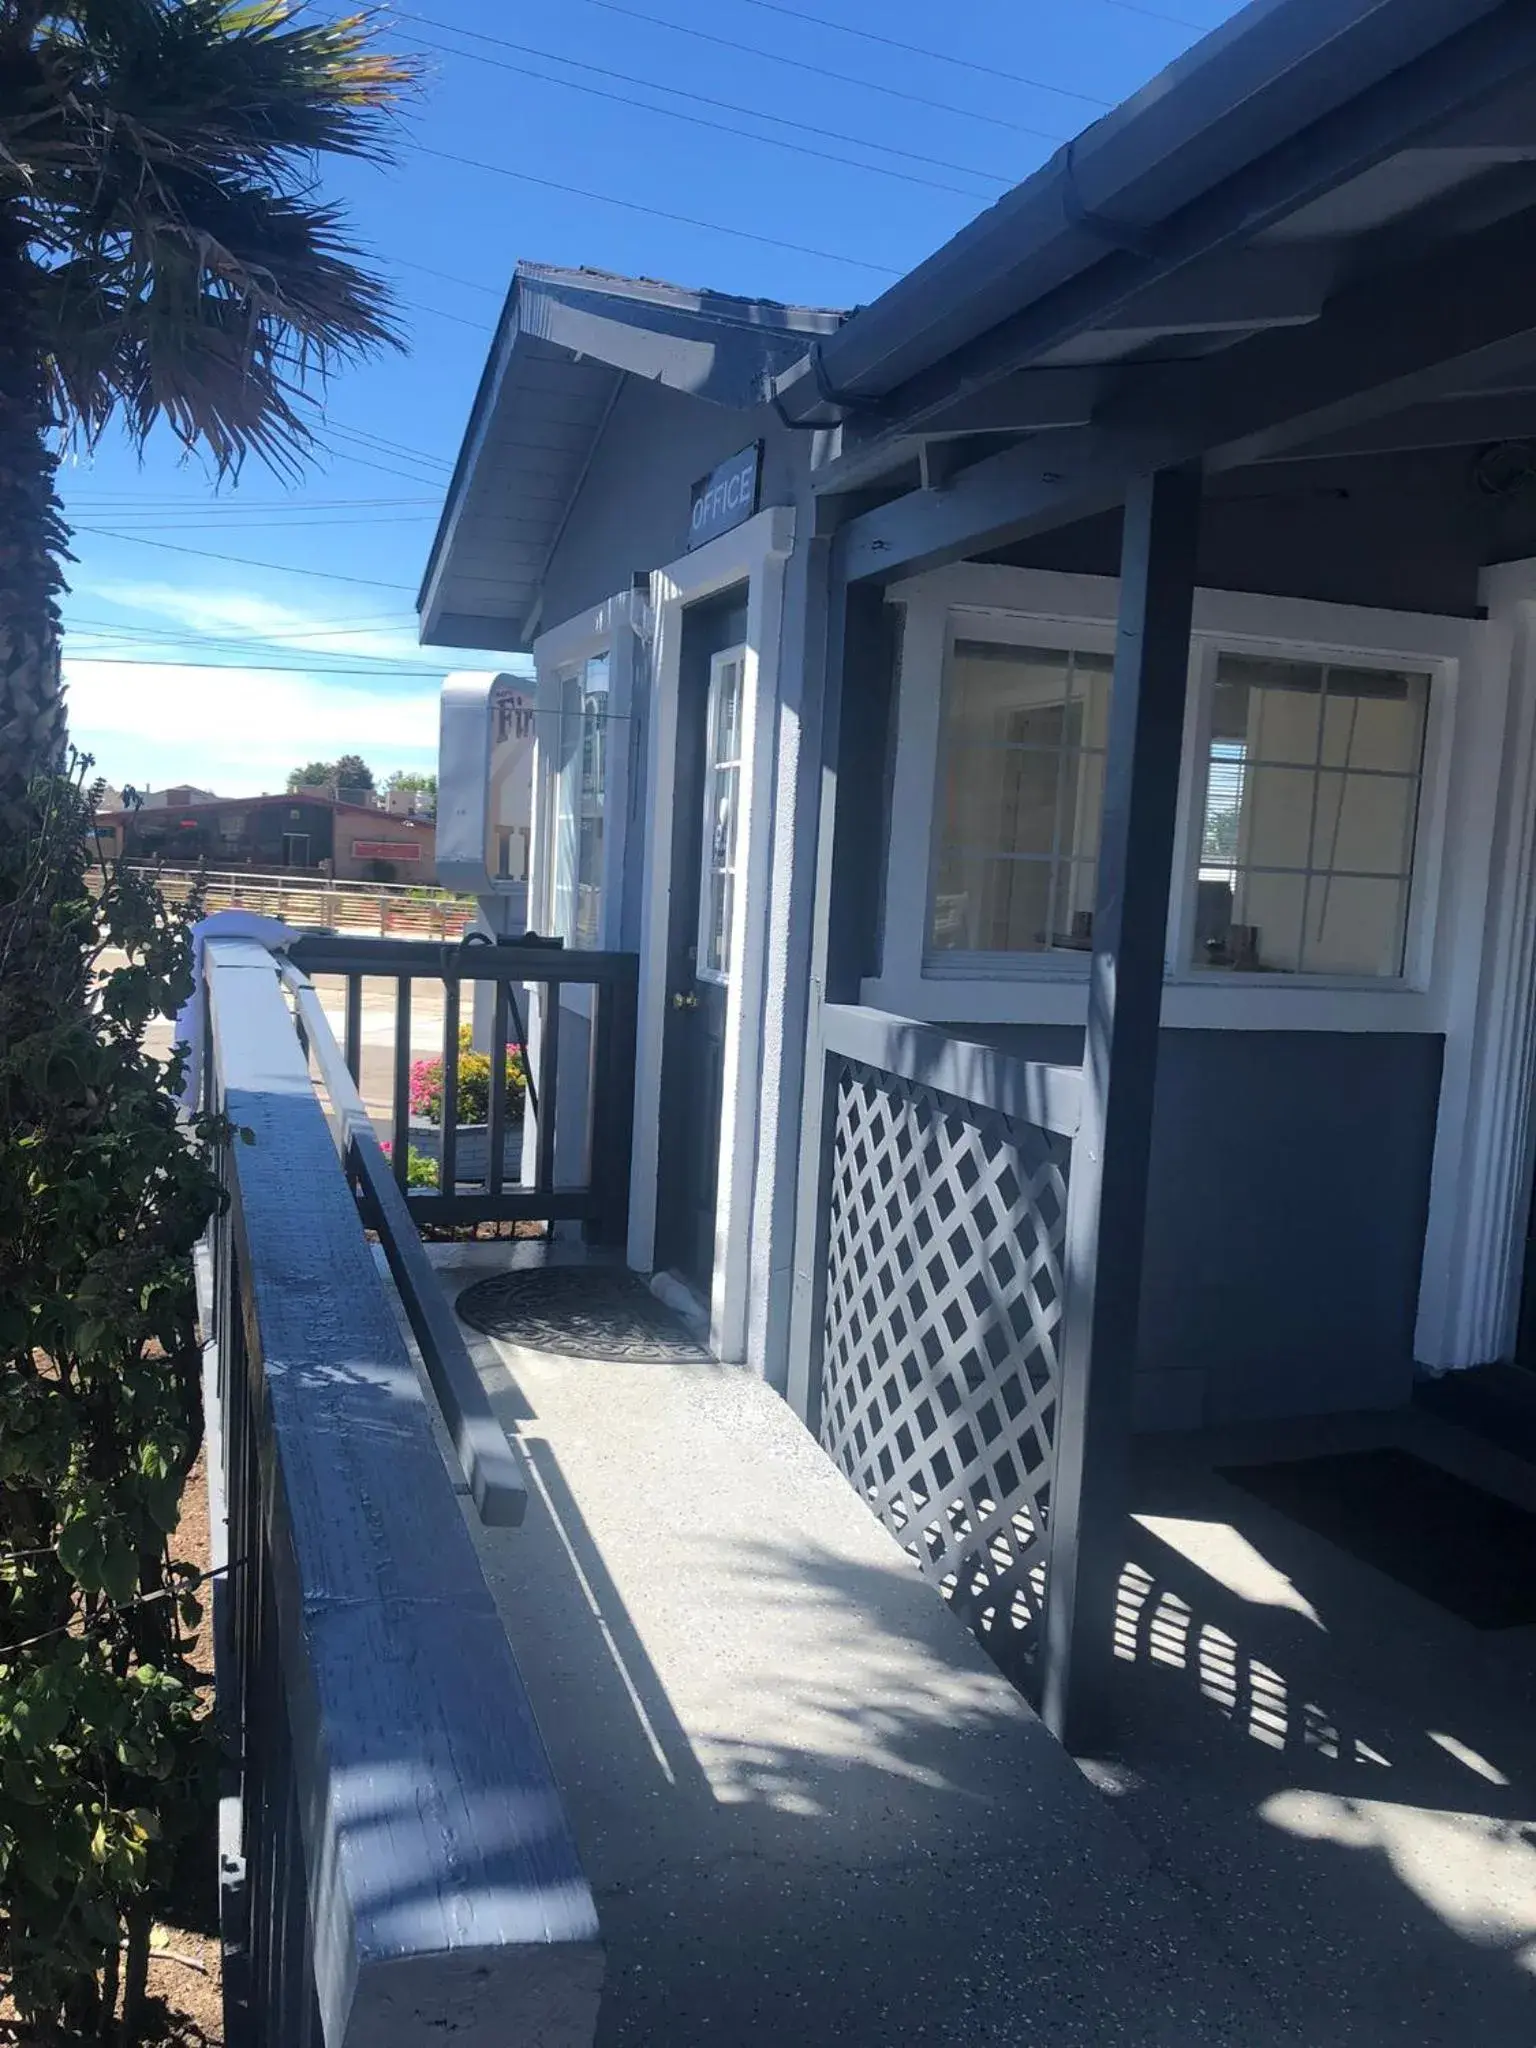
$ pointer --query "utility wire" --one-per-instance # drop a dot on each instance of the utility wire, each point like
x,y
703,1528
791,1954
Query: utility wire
x,y
937,163
300,517
322,629
821,70
868,35
389,447
379,670
444,276
1156,14
799,149
119,504
686,220
243,561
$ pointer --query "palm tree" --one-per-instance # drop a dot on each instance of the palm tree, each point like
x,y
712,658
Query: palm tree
x,y
163,257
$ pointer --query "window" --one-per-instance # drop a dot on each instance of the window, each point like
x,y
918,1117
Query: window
x,y
722,803
1021,789
581,784
1310,808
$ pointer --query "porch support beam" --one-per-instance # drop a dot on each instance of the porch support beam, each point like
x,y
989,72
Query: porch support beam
x,y
1432,326
1107,1192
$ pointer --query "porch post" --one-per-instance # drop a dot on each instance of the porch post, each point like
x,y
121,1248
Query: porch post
x,y
1107,1193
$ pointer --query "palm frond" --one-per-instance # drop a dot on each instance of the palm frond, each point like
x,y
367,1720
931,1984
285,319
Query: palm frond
x,y
159,158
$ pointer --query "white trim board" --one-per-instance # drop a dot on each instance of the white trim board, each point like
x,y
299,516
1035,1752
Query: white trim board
x,y
755,554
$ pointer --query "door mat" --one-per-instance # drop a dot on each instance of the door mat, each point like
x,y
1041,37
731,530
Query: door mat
x,y
581,1312
1471,1552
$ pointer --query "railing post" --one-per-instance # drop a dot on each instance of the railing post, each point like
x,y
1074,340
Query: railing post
x,y
1107,1190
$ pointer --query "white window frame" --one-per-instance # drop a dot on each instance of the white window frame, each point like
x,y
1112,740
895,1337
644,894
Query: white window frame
x,y
617,628
720,977
1042,608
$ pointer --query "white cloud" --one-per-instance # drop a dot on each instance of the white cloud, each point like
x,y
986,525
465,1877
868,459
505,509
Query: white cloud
x,y
242,615
234,729
239,730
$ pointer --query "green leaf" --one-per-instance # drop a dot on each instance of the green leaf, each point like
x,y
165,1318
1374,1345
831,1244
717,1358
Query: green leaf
x,y
119,1568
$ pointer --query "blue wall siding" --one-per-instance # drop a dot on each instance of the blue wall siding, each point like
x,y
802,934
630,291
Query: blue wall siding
x,y
1290,1188
631,514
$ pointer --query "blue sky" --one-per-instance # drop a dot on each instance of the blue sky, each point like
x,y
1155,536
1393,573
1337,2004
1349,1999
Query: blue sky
x,y
550,132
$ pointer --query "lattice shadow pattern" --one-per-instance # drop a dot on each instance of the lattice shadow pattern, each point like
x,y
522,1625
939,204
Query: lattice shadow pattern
x,y
939,1362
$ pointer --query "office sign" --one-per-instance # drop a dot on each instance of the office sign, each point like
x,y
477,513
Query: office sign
x,y
726,497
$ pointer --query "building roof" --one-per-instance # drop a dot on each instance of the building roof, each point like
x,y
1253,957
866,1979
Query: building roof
x,y
565,343
1178,254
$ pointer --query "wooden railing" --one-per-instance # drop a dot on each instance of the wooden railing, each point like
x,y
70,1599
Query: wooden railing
x,y
398,1867
556,1150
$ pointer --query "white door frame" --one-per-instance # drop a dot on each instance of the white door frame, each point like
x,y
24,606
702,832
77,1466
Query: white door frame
x,y
754,553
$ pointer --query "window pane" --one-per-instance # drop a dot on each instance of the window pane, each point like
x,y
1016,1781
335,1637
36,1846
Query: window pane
x,y
722,779
1276,826
1354,926
1004,797
1363,823
1313,771
1373,721
985,905
1072,911
995,694
1020,791
1272,707
1266,931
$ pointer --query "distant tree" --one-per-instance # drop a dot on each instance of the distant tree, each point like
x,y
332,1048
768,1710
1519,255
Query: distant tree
x,y
351,771
414,780
313,775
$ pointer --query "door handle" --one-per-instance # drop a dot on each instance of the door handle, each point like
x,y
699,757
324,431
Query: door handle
x,y
684,999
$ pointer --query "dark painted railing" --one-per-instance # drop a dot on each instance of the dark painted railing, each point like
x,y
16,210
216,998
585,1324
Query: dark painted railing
x,y
398,1866
510,1178
942,1226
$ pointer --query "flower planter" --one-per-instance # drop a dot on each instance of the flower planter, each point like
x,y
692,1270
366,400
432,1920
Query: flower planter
x,y
472,1152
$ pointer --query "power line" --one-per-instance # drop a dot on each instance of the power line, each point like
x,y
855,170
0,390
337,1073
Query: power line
x,y
822,70
331,522
442,313
686,220
380,671
599,92
389,447
702,99
322,629
242,561
868,35
1157,14
119,504
444,276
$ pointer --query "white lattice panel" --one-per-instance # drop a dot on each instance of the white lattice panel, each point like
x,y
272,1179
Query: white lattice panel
x,y
939,1366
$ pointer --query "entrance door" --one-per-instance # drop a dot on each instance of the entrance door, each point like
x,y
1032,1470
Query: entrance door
x,y
295,849
706,850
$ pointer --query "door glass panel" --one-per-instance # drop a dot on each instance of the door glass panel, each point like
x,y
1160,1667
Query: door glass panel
x,y
722,794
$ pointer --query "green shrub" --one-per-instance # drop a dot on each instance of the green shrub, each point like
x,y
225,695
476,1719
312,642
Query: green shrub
x,y
474,1089
106,1761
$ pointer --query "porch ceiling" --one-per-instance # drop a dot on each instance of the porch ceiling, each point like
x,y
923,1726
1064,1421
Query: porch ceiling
x,y
1301,244
566,341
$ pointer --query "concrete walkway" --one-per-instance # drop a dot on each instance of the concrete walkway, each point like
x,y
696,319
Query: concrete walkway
x,y
811,1811
1341,1773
